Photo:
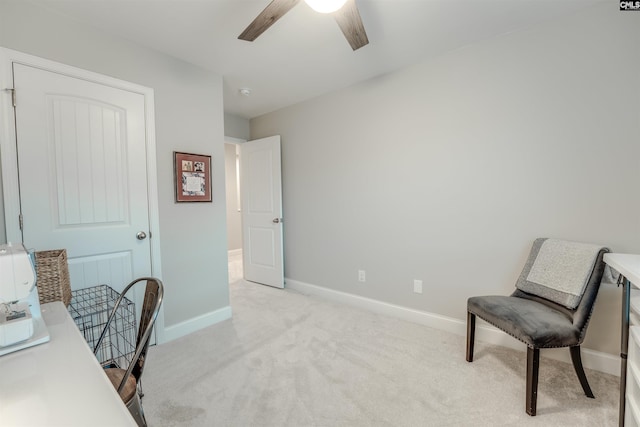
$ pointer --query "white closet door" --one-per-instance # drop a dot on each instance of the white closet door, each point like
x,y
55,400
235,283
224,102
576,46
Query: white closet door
x,y
82,173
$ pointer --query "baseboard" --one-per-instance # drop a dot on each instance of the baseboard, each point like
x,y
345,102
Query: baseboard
x,y
235,252
435,321
192,325
591,359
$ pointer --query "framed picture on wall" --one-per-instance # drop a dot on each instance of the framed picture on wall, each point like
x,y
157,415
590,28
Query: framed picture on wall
x,y
192,177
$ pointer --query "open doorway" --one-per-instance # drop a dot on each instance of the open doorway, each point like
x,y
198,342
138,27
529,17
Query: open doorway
x,y
234,208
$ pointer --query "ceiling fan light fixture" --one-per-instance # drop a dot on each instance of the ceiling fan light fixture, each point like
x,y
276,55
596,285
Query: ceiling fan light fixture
x,y
325,6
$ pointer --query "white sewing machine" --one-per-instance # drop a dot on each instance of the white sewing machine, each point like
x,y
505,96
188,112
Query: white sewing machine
x,y
21,323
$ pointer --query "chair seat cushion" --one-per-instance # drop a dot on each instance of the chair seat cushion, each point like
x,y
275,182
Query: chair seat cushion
x,y
535,324
115,376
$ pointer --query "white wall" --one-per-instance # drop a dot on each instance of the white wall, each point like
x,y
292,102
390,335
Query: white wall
x,y
236,126
189,117
448,170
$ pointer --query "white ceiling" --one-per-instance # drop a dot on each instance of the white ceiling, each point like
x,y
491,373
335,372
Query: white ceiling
x,y
304,54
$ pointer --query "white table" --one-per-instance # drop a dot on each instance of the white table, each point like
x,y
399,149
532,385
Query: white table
x,y
59,383
629,267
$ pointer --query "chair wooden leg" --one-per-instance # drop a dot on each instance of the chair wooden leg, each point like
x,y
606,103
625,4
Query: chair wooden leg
x,y
533,365
577,365
471,334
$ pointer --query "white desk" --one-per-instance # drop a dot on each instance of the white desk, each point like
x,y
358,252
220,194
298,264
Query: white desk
x,y
59,383
629,266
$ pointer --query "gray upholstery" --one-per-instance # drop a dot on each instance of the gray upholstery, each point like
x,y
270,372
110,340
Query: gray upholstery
x,y
538,322
537,325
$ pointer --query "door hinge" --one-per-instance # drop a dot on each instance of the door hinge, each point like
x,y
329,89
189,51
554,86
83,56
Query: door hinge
x,y
13,96
21,221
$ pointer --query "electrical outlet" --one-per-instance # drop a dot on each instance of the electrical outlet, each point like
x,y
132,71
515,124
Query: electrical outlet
x,y
417,286
362,276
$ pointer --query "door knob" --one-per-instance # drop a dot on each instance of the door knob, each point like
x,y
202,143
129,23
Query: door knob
x,y
141,235
277,220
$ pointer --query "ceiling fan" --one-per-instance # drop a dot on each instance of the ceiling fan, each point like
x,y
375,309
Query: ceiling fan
x,y
345,13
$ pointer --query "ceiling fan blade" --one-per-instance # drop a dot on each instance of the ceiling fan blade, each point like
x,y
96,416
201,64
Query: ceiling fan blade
x,y
348,18
274,11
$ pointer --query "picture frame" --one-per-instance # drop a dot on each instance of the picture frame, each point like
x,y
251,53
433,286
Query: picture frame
x,y
192,177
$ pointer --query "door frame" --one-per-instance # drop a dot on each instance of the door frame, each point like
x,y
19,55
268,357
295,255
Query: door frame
x,y
9,155
236,142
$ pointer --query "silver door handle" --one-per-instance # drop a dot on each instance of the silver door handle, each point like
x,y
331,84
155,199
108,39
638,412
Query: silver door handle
x,y
141,235
277,220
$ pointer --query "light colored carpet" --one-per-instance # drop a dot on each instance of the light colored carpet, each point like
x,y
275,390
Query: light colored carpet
x,y
286,359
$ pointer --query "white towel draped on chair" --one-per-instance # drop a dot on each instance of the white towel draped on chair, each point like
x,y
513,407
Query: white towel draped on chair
x,y
561,271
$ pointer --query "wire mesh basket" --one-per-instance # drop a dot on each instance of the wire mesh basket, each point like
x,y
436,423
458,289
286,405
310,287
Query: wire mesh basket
x,y
90,309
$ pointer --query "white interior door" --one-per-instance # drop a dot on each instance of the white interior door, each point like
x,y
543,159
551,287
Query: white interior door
x,y
261,188
83,174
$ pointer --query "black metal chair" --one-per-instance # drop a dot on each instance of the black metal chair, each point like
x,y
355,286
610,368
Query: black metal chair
x,y
127,382
539,322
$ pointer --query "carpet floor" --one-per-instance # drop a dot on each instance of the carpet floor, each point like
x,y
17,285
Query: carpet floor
x,y
288,359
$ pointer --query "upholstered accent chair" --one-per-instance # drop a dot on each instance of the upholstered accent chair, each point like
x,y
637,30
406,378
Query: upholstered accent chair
x,y
550,307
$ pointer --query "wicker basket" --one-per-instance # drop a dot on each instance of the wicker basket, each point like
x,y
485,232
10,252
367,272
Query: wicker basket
x,y
52,272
